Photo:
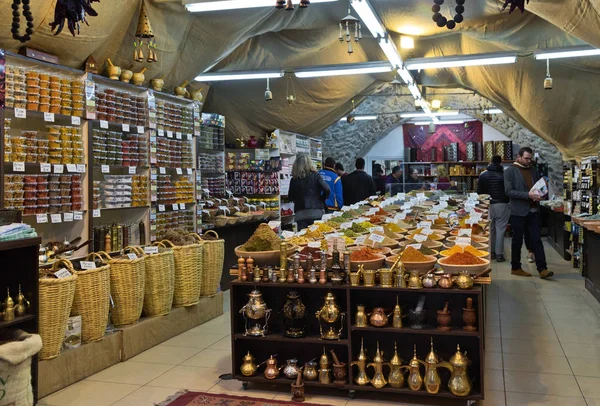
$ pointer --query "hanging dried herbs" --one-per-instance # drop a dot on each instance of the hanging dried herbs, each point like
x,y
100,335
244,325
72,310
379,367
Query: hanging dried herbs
x,y
74,12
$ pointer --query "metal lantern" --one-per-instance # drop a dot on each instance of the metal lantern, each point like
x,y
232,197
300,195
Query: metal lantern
x,y
144,36
290,96
350,23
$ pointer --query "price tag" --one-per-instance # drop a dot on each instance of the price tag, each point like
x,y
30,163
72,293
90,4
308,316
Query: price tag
x,y
179,171
45,168
189,137
314,244
424,224
161,207
140,129
443,205
131,256
274,224
346,225
465,231
104,124
125,127
287,234
472,220
132,170
406,206
20,113
327,217
444,198
59,168
19,166
151,250
313,228
87,265
105,169
162,170
415,246
96,213
427,231
420,237
376,228
421,196
473,196
400,216
346,208
71,168
41,218
401,196
178,135
62,273
49,117
81,168
360,240
67,217
75,120
175,207
189,171
169,134
444,214
337,214
389,220
463,241
77,215
56,218
161,133
301,232
332,235
377,238
432,217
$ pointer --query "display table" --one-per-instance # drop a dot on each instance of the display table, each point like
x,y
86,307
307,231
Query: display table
x,y
348,346
557,236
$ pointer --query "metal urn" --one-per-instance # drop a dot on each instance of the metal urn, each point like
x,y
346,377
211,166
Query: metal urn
x,y
331,319
254,312
294,313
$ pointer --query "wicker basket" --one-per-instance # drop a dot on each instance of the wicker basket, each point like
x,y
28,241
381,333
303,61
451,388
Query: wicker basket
x,y
92,301
55,301
127,279
213,257
160,281
188,273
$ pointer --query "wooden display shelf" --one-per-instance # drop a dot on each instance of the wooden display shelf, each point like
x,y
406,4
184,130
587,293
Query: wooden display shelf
x,y
444,393
281,338
284,381
16,321
430,331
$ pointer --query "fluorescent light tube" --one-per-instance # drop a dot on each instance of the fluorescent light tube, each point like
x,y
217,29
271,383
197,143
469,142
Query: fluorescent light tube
x,y
436,114
216,77
390,51
440,122
360,118
436,104
460,61
340,70
196,7
571,52
492,111
368,17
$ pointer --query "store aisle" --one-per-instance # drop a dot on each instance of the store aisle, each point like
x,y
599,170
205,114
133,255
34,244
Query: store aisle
x,y
540,351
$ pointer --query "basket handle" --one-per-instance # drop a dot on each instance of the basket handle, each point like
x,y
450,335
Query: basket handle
x,y
93,255
160,244
104,254
168,242
67,264
199,239
134,249
212,232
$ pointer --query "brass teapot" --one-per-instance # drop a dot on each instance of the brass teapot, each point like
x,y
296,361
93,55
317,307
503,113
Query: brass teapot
x,y
464,280
329,316
8,308
253,311
396,375
378,318
432,380
459,383
22,304
248,367
291,368
415,380
361,378
271,371
310,371
414,280
378,380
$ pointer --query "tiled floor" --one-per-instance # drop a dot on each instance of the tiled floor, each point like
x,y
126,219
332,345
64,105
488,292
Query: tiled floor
x,y
543,348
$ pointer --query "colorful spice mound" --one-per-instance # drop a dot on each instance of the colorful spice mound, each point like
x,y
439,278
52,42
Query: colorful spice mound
x,y
381,212
298,240
394,228
426,251
474,251
376,219
350,233
463,258
337,220
363,254
426,243
457,249
366,225
348,240
411,254
263,239
314,252
358,228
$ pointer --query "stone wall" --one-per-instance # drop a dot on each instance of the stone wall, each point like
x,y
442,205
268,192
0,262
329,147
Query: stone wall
x,y
347,142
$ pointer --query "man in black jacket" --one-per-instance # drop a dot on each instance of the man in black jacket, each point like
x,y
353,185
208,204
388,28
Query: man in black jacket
x,y
358,185
491,182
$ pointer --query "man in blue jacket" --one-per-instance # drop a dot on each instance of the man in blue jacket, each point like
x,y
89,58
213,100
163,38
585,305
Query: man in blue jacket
x,y
335,201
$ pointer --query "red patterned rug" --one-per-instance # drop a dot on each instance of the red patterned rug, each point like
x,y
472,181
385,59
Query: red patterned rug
x,y
216,399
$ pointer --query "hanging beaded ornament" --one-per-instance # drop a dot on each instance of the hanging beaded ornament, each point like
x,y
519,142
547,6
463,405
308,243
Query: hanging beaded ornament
x,y
442,21
16,22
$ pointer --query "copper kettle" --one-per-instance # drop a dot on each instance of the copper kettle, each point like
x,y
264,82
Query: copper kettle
x,y
271,371
378,317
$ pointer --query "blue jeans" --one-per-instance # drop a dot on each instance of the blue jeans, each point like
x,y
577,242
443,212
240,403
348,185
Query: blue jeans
x,y
530,224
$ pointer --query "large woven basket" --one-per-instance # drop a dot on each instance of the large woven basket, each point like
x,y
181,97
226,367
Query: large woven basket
x,y
188,273
213,257
55,301
160,281
127,280
92,301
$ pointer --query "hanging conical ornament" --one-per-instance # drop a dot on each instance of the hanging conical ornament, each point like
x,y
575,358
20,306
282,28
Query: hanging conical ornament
x,y
304,3
144,29
140,54
289,5
350,25
150,55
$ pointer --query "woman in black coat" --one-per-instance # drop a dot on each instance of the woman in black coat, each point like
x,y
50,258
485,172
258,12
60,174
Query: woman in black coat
x,y
308,191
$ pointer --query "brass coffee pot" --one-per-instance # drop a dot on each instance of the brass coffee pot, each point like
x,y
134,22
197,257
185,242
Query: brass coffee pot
x,y
310,371
432,379
255,310
361,316
329,316
396,376
291,369
414,280
459,383
361,377
22,304
248,367
271,371
378,380
378,318
8,308
324,370
415,380
397,315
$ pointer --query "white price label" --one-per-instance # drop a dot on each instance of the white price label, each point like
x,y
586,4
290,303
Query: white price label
x,y
463,241
401,196
59,168
400,216
19,166
178,135
169,134
313,228
444,198
81,168
287,234
49,117
125,127
432,217
105,169
314,244
274,224
473,196
360,240
96,213
175,207
189,171
415,246
376,228
337,214
189,137
104,124
389,220
424,224
41,218
472,220
427,231
132,170
346,208
442,205
406,206
444,214
465,231
421,196
162,170
161,207
20,113
377,238
420,237
77,215
62,273
131,256
179,171
301,232
346,225
327,217
71,168
140,129
161,133
67,217
56,218
75,120
182,206
151,250
87,265
45,168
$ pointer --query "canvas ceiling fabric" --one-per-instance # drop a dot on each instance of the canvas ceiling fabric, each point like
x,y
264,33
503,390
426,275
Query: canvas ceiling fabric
x,y
272,39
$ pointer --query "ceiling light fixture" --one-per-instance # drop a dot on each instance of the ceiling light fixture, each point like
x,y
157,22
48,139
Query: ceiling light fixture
x,y
435,114
201,7
407,42
441,122
492,111
216,77
340,70
461,61
436,104
570,52
360,118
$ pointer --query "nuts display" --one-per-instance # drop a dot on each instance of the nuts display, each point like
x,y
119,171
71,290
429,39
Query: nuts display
x,y
39,194
120,191
120,107
171,220
120,149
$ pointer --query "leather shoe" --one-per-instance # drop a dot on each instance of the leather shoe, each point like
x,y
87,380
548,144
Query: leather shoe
x,y
545,274
520,272
500,259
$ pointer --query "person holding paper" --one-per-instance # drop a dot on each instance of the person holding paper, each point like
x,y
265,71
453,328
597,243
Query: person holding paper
x,y
491,182
308,191
521,186
358,185
335,201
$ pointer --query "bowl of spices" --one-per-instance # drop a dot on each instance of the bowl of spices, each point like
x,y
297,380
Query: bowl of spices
x,y
463,261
